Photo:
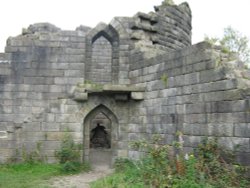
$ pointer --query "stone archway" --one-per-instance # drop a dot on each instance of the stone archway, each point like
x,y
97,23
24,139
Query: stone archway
x,y
100,136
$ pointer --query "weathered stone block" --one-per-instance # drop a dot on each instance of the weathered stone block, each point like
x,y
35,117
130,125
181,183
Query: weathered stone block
x,y
73,73
195,108
32,127
168,92
80,96
243,158
135,128
195,118
122,153
3,134
242,130
192,141
220,130
242,144
52,145
50,126
33,137
212,75
194,129
54,136
66,118
193,78
49,117
137,95
73,127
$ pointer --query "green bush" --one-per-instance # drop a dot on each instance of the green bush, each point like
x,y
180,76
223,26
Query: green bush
x,y
156,168
217,165
69,155
206,167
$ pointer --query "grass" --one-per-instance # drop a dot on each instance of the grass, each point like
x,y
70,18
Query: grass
x,y
119,180
27,175
34,172
126,176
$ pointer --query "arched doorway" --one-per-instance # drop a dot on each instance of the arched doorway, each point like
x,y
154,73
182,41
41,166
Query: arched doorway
x,y
100,136
100,132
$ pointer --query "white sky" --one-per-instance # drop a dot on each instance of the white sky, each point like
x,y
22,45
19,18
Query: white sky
x,y
209,16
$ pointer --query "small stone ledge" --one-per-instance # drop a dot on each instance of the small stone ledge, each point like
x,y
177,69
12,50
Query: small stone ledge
x,y
123,88
121,92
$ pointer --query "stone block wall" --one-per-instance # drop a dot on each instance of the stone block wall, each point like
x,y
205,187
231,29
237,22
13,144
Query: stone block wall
x,y
195,91
141,73
166,29
45,65
41,70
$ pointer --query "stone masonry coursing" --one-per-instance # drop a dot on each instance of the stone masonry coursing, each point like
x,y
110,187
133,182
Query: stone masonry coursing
x,y
141,73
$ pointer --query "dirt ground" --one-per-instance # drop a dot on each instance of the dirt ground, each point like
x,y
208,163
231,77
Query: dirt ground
x,y
80,180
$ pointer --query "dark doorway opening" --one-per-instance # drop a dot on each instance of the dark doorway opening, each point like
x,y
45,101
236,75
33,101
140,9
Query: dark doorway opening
x,y
100,136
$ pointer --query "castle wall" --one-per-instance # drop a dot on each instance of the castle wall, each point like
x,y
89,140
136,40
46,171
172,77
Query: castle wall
x,y
141,73
45,63
195,92
41,70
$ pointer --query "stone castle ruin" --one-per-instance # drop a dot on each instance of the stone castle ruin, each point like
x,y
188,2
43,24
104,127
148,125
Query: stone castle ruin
x,y
127,80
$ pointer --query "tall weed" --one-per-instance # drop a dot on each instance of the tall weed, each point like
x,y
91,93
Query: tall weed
x,y
160,168
69,155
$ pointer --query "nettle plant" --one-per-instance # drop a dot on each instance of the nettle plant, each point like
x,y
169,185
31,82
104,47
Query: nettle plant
x,y
209,165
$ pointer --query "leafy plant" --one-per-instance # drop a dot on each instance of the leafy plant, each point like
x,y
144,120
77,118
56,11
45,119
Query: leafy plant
x,y
217,164
206,167
69,154
155,168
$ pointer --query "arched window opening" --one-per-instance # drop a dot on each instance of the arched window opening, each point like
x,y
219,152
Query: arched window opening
x,y
101,65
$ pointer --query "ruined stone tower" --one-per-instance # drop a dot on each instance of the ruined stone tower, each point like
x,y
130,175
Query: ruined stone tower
x,y
130,79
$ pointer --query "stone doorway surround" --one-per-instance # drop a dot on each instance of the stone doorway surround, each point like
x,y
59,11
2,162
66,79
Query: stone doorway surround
x,y
89,93
100,156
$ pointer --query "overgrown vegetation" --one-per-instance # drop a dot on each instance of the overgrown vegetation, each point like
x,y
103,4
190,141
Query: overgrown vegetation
x,y
233,42
69,155
205,167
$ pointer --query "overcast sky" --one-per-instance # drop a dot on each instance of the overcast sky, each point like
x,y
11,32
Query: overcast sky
x,y
209,16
